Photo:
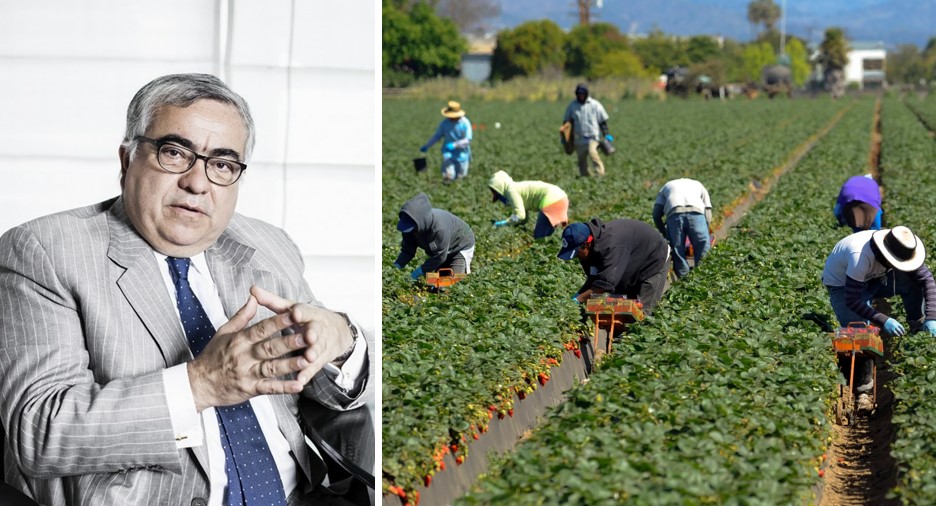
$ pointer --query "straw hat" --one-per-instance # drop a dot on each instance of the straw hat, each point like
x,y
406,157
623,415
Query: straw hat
x,y
903,250
453,110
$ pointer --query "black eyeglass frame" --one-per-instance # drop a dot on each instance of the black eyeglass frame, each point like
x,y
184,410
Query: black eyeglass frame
x,y
195,157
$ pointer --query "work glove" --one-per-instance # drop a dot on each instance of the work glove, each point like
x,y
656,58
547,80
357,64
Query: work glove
x,y
416,274
575,298
894,328
609,137
398,266
423,148
450,146
500,223
931,327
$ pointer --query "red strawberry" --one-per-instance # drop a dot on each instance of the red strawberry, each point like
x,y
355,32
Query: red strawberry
x,y
510,412
442,466
427,480
454,448
459,459
500,415
521,394
476,436
578,353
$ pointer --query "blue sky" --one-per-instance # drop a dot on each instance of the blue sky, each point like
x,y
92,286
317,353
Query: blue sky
x,y
891,21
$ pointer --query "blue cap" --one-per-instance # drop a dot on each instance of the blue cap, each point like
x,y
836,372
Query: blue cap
x,y
573,237
406,224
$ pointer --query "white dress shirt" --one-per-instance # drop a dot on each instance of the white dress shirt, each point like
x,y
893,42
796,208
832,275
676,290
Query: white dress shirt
x,y
193,430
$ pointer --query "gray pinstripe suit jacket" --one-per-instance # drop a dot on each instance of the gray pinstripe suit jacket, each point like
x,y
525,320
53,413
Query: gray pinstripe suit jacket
x,y
86,328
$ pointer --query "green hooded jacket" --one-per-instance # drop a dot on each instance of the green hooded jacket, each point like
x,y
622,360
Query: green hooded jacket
x,y
525,196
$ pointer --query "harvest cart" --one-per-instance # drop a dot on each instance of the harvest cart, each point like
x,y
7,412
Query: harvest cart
x,y
609,311
858,339
444,278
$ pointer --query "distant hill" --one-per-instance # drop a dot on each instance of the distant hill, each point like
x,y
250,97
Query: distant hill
x,y
892,21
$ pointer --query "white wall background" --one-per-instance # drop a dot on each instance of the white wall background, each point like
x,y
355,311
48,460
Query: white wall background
x,y
68,70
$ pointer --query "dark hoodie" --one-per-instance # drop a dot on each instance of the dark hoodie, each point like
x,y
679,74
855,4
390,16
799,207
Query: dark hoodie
x,y
624,254
439,233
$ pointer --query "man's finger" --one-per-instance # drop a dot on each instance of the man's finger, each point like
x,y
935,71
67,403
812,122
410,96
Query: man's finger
x,y
241,318
276,347
273,387
268,326
271,369
270,300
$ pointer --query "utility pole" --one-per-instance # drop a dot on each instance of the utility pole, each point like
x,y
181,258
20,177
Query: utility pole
x,y
584,12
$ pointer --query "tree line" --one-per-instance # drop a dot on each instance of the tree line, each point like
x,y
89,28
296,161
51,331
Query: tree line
x,y
423,39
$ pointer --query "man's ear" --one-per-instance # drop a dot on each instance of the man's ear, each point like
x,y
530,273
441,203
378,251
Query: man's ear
x,y
124,155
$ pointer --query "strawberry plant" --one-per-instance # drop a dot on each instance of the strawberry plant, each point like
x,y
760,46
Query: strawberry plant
x,y
447,357
722,396
907,155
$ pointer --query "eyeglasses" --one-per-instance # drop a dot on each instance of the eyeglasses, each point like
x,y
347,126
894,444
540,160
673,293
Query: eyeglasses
x,y
178,160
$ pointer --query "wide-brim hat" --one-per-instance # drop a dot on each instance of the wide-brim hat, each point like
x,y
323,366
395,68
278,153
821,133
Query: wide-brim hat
x,y
573,237
903,250
453,110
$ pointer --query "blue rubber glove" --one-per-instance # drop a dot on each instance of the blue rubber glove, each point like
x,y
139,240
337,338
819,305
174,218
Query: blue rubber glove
x,y
423,149
609,137
450,146
894,328
398,266
931,327
500,223
416,274
575,298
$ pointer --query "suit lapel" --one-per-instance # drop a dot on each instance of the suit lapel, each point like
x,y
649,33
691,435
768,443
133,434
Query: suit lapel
x,y
143,287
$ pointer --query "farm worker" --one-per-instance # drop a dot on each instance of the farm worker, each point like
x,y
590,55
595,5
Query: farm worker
x,y
525,197
447,239
688,210
880,264
589,123
455,134
859,204
625,257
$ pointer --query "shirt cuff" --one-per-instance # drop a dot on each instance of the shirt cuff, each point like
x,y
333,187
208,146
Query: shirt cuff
x,y
186,424
346,376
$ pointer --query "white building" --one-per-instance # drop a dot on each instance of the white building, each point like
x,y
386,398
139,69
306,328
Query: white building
x,y
866,64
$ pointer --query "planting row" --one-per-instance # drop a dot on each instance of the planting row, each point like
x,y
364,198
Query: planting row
x,y
722,396
907,156
448,358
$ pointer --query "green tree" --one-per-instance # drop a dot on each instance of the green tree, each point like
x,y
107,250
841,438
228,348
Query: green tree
x,y
701,48
763,12
619,63
586,44
754,58
799,61
420,43
530,48
659,51
833,52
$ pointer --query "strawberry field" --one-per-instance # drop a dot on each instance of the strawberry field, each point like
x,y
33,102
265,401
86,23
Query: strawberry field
x,y
722,395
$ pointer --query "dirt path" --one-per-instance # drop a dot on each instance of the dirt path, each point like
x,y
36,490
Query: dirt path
x,y
859,469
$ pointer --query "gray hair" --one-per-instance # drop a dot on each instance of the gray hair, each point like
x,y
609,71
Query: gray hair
x,y
181,90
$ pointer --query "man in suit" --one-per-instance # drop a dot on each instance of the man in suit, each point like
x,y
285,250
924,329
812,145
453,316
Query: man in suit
x,y
152,350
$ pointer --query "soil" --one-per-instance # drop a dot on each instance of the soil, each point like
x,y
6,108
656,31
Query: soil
x,y
859,469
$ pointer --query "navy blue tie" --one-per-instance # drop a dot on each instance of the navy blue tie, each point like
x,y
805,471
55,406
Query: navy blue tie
x,y
253,478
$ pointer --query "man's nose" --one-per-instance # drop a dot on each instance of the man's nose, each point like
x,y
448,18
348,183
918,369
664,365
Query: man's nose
x,y
195,180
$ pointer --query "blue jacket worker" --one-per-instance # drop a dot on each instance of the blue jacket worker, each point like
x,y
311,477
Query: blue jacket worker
x,y
625,257
447,239
688,210
859,204
455,133
874,264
